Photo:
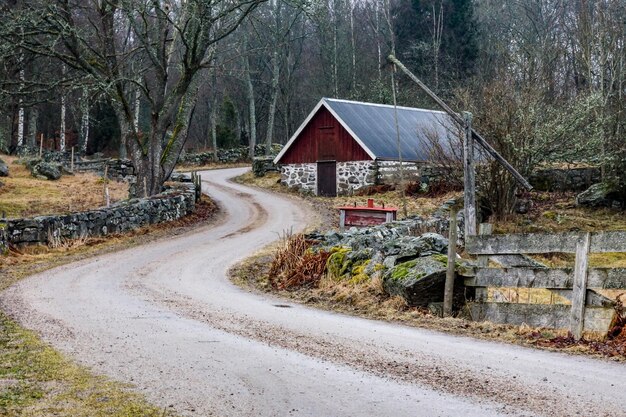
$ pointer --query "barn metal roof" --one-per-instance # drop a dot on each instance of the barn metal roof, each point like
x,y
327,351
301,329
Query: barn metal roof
x,y
373,127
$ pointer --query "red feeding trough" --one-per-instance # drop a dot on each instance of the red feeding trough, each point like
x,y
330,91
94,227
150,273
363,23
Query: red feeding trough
x,y
365,216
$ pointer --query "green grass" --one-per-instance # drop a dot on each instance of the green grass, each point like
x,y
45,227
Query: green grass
x,y
36,380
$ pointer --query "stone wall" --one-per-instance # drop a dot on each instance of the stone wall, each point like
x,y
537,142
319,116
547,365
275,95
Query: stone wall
x,y
354,175
563,179
117,169
351,176
241,154
172,204
389,172
301,177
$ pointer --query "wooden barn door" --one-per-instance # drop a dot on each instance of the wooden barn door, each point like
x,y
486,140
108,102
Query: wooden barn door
x,y
327,178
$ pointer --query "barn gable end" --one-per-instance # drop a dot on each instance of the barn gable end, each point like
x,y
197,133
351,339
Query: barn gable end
x,y
323,138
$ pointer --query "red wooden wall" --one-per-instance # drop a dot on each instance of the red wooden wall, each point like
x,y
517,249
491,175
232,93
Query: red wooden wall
x,y
324,139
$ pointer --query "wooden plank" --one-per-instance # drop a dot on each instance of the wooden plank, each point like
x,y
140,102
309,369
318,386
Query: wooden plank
x,y
579,292
516,261
603,242
522,278
555,316
469,177
522,243
593,299
553,278
485,229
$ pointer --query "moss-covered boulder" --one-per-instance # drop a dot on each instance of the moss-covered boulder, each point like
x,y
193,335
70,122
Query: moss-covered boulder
x,y
600,195
47,170
420,281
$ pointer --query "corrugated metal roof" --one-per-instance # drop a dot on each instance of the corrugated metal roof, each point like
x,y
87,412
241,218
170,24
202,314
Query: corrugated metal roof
x,y
373,125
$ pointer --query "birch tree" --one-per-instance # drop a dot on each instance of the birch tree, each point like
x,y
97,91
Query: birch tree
x,y
166,43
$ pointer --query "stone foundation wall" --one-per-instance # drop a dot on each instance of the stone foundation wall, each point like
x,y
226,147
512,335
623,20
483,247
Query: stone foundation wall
x,y
389,172
351,176
574,179
354,175
172,204
302,177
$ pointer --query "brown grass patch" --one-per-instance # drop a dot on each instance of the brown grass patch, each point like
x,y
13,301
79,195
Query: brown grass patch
x,y
295,265
25,196
416,205
368,299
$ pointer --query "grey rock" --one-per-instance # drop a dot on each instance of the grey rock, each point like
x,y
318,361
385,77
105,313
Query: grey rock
x,y
599,195
389,262
4,169
420,281
48,170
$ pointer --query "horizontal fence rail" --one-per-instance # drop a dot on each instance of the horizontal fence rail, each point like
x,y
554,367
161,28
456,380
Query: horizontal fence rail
x,y
589,310
533,243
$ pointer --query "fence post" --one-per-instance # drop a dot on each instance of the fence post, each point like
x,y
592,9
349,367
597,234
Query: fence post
x,y
579,289
469,177
482,294
448,292
484,229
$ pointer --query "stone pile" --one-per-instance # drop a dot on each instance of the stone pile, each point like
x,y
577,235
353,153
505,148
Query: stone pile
x,y
410,262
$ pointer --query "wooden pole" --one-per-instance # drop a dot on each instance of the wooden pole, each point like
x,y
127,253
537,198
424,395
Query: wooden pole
x,y
145,187
41,146
72,162
400,159
579,290
448,293
469,178
479,139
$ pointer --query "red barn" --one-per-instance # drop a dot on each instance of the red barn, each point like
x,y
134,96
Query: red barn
x,y
346,145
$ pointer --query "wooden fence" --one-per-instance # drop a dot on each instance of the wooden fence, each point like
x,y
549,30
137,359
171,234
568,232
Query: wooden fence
x,y
589,310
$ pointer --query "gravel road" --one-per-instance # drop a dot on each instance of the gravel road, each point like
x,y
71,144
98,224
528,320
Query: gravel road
x,y
165,318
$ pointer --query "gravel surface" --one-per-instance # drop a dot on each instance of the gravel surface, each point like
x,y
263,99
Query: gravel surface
x,y
165,318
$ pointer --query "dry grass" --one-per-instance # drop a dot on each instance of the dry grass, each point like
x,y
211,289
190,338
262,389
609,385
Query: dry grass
x,y
368,299
557,213
25,196
421,206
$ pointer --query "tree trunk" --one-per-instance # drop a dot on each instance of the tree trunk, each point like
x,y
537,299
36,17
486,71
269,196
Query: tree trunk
x,y
63,118
274,99
335,52
84,123
353,43
32,128
20,112
251,103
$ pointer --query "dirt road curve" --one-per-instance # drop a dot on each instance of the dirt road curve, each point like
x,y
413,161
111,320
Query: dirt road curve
x,y
165,318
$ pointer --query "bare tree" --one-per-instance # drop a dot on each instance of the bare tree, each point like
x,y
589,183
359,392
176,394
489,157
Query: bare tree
x,y
167,43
